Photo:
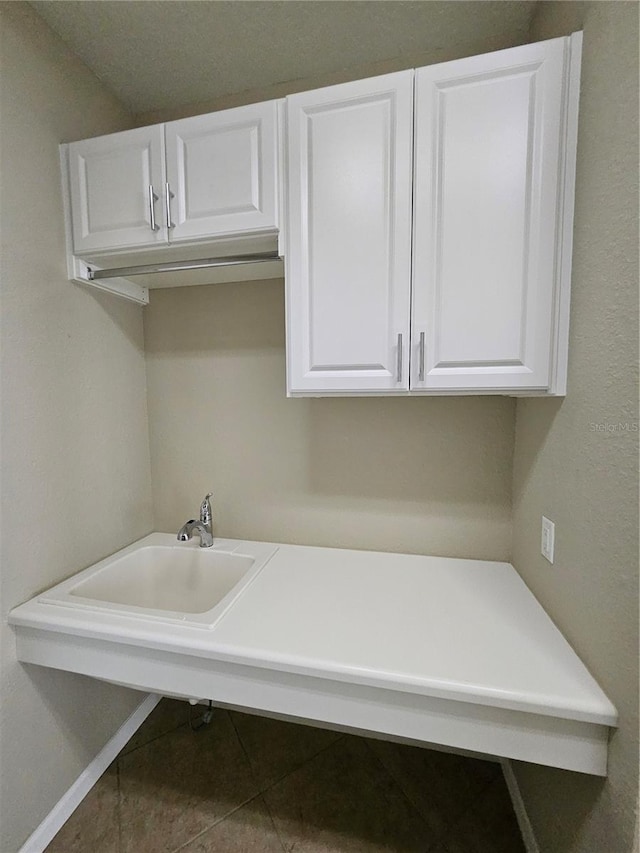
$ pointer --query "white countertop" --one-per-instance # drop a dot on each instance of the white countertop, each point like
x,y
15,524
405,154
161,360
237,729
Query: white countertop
x,y
467,630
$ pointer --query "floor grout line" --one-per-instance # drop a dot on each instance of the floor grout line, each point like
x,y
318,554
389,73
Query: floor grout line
x,y
216,822
118,811
122,753
266,804
263,788
126,754
242,746
241,805
267,787
470,808
438,838
301,765
275,828
441,837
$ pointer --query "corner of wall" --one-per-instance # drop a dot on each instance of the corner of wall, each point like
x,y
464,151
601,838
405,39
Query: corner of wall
x,y
575,458
72,362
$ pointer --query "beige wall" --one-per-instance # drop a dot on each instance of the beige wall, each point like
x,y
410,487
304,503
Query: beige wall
x,y
75,459
418,475
421,475
585,480
428,475
449,49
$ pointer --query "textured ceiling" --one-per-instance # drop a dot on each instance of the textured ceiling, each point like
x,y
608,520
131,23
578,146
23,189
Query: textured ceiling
x,y
161,55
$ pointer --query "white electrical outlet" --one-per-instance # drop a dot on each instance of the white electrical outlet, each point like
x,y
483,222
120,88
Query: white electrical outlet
x,y
548,539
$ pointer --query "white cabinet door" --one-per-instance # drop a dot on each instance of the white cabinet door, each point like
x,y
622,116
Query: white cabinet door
x,y
348,244
487,159
115,185
222,172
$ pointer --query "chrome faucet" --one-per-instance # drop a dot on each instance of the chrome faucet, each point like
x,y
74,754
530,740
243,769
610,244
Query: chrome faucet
x,y
203,528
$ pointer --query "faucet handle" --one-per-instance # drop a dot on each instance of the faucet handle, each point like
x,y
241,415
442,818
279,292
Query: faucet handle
x,y
205,509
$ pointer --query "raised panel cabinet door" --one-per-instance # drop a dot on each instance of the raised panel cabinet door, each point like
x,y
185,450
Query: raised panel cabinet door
x,y
488,157
116,183
348,261
222,172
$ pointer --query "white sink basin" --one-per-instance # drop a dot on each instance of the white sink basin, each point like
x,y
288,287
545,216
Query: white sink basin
x,y
161,578
165,578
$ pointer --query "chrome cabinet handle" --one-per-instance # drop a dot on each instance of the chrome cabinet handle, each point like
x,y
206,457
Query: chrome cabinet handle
x,y
421,362
399,363
168,195
153,198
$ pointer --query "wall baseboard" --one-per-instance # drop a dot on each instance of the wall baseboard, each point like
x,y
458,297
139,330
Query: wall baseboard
x,y
69,802
530,843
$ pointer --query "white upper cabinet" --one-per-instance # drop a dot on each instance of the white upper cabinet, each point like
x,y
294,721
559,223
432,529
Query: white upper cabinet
x,y
115,183
429,219
492,180
221,175
186,181
486,216
348,258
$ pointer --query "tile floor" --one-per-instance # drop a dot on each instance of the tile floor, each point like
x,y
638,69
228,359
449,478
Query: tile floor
x,y
247,784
